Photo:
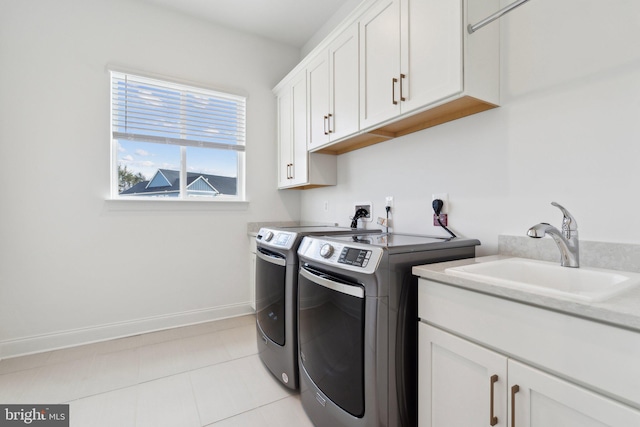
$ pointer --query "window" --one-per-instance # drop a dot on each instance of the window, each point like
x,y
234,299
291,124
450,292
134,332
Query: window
x,y
172,140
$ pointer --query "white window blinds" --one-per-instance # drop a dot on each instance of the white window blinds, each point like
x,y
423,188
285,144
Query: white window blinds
x,y
149,110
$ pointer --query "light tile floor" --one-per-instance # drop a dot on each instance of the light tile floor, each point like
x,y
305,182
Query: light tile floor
x,y
203,375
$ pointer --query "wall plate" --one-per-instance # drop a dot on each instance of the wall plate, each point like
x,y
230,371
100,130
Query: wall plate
x,y
368,206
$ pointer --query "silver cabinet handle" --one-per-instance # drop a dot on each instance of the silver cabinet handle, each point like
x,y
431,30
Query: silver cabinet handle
x,y
326,121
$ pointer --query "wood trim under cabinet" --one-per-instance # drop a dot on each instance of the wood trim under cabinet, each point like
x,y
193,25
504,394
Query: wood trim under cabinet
x,y
456,109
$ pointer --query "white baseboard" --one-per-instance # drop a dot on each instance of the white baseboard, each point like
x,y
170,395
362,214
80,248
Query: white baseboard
x,y
71,338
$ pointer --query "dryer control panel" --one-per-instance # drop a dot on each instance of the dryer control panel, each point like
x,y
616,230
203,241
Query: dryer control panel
x,y
353,256
276,238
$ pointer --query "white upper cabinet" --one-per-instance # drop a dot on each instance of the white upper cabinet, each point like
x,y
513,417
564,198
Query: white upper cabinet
x,y
333,90
415,55
431,51
318,74
300,157
292,131
297,168
344,67
284,137
380,63
411,56
394,67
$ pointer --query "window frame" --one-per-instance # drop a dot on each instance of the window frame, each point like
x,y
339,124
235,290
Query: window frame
x,y
175,84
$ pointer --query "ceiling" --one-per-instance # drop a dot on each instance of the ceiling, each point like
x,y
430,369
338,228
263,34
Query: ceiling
x,y
292,22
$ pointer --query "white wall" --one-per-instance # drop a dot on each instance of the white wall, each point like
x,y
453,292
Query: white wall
x,y
73,266
567,131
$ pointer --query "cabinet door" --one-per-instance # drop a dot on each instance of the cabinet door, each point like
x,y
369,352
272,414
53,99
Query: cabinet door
x,y
345,91
431,51
380,63
543,400
318,74
300,168
284,138
459,383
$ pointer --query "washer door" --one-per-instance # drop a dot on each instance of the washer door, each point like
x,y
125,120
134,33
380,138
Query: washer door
x,y
270,294
331,337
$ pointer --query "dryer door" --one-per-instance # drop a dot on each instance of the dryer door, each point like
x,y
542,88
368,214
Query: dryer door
x,y
331,336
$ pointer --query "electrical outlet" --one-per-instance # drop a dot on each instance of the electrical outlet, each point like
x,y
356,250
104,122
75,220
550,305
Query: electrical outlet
x,y
443,219
389,201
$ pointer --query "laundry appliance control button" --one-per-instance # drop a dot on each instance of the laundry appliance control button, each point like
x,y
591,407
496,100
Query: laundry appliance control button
x,y
326,250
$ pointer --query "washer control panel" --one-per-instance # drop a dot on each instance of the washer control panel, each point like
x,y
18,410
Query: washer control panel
x,y
326,250
353,256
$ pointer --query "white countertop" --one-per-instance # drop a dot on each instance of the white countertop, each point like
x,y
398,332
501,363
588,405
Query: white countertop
x,y
622,310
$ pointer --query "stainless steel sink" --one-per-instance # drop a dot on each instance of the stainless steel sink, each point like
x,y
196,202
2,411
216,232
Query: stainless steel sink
x,y
582,284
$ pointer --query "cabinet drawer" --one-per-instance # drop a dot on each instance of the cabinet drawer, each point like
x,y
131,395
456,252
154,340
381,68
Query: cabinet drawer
x,y
601,357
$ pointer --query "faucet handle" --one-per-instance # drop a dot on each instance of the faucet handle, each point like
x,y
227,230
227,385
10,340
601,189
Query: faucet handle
x,y
569,223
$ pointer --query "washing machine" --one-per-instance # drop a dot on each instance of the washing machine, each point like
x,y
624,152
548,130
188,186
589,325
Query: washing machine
x,y
358,322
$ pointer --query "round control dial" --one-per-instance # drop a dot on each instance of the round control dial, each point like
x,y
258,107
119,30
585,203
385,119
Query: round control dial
x,y
268,236
326,251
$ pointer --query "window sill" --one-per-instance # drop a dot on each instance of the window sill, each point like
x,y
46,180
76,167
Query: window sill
x,y
174,205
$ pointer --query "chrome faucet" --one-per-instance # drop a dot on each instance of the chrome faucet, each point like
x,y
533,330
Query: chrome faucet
x,y
567,239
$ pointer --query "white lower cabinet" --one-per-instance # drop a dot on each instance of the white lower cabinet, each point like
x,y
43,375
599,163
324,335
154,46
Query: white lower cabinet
x,y
464,384
538,399
459,383
476,365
